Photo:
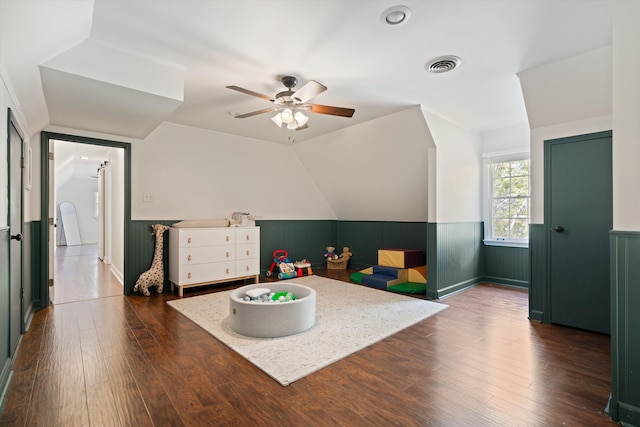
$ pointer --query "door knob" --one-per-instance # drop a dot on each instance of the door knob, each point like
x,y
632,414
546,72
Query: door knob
x,y
17,237
558,229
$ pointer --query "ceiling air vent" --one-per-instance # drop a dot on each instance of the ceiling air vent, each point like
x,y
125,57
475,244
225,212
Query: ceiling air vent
x,y
443,64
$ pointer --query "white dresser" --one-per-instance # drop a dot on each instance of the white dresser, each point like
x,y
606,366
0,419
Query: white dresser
x,y
202,256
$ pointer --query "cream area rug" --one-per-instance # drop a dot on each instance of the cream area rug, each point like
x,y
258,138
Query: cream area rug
x,y
349,317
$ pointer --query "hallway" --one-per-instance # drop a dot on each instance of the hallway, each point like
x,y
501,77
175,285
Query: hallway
x,y
80,275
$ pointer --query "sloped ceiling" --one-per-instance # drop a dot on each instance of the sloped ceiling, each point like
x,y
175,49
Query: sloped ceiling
x,y
571,89
124,67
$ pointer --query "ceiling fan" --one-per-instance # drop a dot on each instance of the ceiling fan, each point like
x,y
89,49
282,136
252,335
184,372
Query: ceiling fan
x,y
291,105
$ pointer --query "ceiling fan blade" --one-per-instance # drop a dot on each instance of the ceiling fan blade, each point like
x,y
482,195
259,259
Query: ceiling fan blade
x,y
254,113
308,91
304,126
334,111
250,92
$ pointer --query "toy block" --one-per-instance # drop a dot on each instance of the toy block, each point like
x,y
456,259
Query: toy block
x,y
400,258
418,274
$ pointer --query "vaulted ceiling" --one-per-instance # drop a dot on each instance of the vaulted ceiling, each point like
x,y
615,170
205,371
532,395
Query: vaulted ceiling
x,y
124,67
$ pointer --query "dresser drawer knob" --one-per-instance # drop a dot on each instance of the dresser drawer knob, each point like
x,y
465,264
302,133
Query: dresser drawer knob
x,y
227,238
189,240
189,258
189,276
227,254
248,238
227,271
247,253
248,268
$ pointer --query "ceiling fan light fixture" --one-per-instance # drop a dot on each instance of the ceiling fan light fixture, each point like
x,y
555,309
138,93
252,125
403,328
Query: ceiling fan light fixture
x,y
286,115
301,119
396,15
277,119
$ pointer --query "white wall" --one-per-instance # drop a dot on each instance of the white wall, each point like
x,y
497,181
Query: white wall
x,y
458,172
379,171
626,116
4,170
197,174
568,90
506,140
374,171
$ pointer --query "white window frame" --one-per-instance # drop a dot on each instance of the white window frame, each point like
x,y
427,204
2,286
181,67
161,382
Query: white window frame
x,y
488,160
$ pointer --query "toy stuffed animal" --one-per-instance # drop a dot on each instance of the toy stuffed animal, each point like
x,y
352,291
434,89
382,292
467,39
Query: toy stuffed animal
x,y
345,255
154,276
330,254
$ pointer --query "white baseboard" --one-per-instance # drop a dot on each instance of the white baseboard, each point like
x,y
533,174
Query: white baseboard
x,y
117,273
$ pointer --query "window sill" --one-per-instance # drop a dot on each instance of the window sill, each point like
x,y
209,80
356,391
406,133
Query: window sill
x,y
506,243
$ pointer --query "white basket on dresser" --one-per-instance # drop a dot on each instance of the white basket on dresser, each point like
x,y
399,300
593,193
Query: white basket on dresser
x,y
203,256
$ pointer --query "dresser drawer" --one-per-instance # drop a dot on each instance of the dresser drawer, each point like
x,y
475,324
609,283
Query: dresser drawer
x,y
195,237
247,235
247,267
206,254
199,273
247,251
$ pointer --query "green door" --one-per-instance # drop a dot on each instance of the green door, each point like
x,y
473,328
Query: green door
x,y
579,217
16,195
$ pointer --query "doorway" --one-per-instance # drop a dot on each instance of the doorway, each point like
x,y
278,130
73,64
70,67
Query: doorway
x,y
83,215
579,217
80,264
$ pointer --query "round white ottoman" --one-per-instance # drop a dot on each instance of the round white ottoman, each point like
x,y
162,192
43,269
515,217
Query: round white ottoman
x,y
272,319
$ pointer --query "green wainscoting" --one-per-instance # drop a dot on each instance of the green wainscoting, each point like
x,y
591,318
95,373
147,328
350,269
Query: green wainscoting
x,y
538,286
506,265
300,238
35,266
625,327
454,257
364,238
5,357
140,253
28,306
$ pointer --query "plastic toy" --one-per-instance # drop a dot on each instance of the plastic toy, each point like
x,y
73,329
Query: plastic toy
x,y
285,266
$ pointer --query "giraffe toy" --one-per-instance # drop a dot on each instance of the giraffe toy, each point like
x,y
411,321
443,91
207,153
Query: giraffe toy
x,y
154,276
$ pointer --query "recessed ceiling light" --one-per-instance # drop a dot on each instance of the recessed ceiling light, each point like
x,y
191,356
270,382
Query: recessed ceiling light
x,y
443,64
396,15
84,158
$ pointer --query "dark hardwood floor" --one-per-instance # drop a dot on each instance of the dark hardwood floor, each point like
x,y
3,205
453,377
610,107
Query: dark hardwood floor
x,y
134,361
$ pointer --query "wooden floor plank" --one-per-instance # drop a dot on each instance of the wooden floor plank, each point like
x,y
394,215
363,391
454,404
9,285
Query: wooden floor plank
x,y
134,360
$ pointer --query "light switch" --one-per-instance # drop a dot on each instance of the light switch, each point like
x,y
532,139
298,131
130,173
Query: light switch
x,y
147,197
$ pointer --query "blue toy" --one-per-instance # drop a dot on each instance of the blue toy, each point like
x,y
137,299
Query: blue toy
x,y
285,266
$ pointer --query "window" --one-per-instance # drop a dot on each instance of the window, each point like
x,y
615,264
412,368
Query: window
x,y
507,209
